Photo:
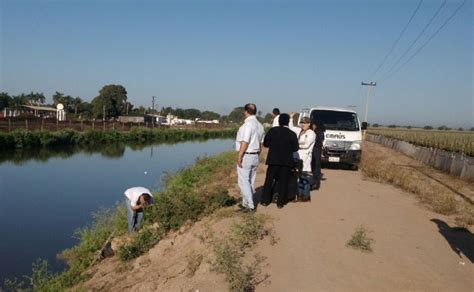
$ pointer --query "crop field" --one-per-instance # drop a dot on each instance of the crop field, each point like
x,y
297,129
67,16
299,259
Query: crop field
x,y
454,141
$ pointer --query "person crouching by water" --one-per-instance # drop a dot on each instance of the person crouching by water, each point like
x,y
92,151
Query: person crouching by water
x,y
306,140
319,129
281,143
136,199
248,144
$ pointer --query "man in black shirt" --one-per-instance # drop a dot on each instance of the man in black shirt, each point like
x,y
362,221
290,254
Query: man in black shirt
x,y
281,143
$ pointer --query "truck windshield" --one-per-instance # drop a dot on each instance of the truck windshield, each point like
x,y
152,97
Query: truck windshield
x,y
335,120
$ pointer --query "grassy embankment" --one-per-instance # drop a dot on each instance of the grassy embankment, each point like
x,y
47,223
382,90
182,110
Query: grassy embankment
x,y
68,137
438,191
187,196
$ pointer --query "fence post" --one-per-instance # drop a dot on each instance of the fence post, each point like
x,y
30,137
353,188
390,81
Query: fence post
x,y
113,126
103,125
57,124
92,124
42,124
82,126
9,126
26,124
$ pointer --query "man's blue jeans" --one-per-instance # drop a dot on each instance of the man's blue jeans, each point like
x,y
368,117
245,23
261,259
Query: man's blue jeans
x,y
246,178
134,218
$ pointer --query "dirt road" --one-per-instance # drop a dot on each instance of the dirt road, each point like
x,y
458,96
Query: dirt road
x,y
414,249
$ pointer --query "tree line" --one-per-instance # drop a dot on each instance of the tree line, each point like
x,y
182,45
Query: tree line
x,y
112,102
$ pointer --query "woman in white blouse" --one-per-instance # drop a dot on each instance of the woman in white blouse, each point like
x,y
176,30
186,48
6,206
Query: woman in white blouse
x,y
306,140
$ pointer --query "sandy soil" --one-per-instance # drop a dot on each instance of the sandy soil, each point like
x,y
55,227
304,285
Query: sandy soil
x,y
414,250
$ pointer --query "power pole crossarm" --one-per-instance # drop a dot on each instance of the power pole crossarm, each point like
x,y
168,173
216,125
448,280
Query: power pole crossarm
x,y
370,85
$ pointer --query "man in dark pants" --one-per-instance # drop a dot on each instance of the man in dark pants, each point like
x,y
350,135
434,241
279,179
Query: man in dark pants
x,y
281,143
318,128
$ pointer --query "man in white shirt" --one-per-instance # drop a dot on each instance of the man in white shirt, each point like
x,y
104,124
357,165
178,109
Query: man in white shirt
x,y
276,117
136,199
248,144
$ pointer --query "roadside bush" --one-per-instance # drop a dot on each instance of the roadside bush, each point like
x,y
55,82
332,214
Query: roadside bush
x,y
360,240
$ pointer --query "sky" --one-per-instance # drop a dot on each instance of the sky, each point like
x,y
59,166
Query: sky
x,y
217,55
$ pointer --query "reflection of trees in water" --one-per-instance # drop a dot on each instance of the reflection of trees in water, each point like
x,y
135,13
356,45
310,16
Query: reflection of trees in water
x,y
115,150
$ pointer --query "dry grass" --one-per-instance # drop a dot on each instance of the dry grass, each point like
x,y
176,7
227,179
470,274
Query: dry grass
x,y
194,260
232,252
360,240
388,166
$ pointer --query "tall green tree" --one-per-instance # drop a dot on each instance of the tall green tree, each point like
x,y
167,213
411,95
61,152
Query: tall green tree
x,y
268,118
19,100
76,104
236,115
112,98
66,100
191,113
35,98
5,100
208,115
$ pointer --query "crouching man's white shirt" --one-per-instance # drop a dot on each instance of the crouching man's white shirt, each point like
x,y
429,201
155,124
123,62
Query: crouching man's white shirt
x,y
134,193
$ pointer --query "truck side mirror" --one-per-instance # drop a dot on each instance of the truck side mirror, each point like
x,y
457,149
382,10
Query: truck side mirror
x,y
364,125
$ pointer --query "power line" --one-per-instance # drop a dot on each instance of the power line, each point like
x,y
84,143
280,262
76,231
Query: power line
x,y
428,40
417,38
398,39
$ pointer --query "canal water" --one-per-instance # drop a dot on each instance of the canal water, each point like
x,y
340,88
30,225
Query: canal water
x,y
46,195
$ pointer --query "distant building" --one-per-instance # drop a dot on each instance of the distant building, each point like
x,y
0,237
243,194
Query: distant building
x,y
154,118
174,121
207,122
37,111
131,119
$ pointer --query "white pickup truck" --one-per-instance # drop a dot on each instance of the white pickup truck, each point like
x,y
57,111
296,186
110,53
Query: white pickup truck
x,y
343,136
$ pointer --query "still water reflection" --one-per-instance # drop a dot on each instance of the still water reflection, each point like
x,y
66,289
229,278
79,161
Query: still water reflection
x,y
47,194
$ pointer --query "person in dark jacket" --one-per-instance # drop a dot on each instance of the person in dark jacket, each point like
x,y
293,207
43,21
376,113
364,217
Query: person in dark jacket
x,y
281,143
318,128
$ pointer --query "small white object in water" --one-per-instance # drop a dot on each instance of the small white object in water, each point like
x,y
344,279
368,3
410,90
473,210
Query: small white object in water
x,y
145,172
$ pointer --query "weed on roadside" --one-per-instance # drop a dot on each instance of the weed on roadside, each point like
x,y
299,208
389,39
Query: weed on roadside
x,y
194,260
231,250
360,240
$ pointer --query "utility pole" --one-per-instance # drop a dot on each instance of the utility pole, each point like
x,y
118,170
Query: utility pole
x,y
153,104
153,110
370,85
103,113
